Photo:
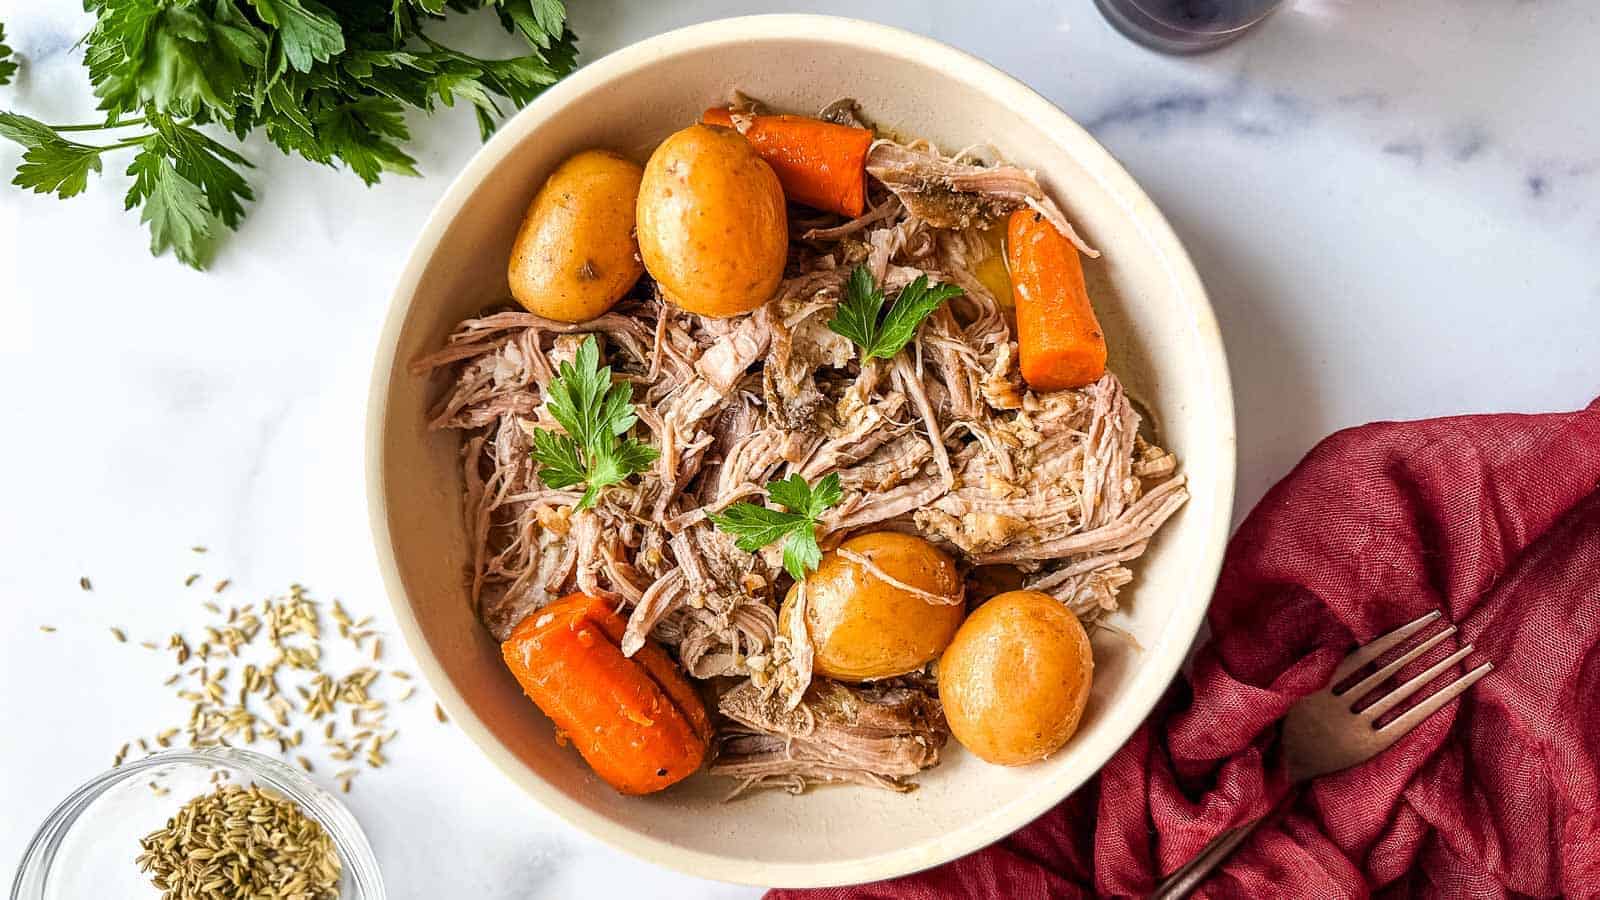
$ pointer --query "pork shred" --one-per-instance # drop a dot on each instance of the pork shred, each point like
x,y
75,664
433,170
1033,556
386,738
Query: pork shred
x,y
876,734
946,441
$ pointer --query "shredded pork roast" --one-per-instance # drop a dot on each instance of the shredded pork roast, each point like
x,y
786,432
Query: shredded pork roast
x,y
945,441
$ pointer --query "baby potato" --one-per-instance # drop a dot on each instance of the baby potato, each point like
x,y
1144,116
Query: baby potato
x,y
1014,681
861,626
713,230
575,255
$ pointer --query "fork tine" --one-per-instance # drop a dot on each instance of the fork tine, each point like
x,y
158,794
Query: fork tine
x,y
1380,645
1398,695
1360,688
1413,716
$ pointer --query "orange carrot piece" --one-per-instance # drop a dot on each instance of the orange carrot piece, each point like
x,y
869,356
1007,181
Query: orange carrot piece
x,y
659,666
819,164
637,722
1059,341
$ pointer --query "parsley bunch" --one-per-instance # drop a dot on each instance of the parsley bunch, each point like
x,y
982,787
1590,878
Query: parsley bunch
x,y
858,314
328,81
754,527
596,414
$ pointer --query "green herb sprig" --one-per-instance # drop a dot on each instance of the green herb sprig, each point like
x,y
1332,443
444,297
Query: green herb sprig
x,y
8,66
329,83
597,414
754,527
858,314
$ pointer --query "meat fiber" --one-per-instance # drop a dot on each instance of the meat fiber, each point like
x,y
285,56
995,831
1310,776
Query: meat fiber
x,y
878,735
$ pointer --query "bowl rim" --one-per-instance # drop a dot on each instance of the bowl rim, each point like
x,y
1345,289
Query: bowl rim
x,y
1164,657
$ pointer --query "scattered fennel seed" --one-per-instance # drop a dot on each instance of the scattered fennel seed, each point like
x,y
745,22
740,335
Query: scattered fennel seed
x,y
48,629
193,577
84,583
276,688
119,634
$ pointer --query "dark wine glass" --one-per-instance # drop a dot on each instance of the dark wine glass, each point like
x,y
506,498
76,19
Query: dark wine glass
x,y
1185,26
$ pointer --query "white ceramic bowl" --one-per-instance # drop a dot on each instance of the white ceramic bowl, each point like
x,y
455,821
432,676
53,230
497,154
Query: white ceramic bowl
x,y
1164,343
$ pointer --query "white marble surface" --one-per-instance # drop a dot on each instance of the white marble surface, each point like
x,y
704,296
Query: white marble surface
x,y
1396,207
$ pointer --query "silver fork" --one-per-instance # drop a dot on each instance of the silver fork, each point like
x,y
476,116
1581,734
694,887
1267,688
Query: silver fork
x,y
1324,733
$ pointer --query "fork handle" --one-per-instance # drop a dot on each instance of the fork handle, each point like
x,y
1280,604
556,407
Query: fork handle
x,y
1188,876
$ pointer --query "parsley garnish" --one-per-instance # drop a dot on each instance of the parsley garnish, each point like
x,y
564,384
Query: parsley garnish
x,y
755,526
329,82
596,414
857,315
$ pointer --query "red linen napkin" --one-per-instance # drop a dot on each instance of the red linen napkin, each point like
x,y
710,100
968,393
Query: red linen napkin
x,y
1495,520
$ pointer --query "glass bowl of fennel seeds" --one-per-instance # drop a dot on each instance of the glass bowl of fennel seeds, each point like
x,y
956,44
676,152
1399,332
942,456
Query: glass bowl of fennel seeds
x,y
215,823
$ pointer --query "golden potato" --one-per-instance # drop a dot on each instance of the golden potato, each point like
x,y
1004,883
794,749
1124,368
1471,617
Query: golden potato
x,y
863,627
712,226
1014,681
575,255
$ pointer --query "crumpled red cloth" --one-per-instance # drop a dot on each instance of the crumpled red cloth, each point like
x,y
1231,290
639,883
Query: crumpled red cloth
x,y
1495,520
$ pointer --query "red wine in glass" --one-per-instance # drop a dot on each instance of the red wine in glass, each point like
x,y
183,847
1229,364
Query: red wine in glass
x,y
1185,26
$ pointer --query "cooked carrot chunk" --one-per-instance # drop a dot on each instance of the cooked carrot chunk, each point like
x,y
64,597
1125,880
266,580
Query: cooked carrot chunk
x,y
820,164
637,721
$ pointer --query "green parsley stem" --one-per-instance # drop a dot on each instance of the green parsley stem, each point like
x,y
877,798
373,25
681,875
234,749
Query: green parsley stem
x,y
130,142
99,126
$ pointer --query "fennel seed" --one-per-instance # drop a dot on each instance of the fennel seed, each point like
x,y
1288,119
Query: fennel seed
x,y
237,842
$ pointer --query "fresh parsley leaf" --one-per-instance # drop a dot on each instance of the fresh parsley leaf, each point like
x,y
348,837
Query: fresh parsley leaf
x,y
915,302
173,206
57,167
754,527
191,60
539,21
596,414
858,314
8,66
558,454
308,30
795,495
25,131
635,456
365,135
204,162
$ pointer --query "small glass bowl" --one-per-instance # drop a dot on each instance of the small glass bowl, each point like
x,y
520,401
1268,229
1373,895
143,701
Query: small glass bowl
x,y
87,845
